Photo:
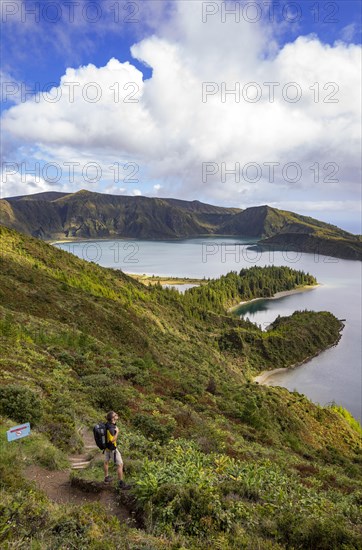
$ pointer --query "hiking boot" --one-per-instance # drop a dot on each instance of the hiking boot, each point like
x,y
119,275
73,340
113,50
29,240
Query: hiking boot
x,y
107,479
122,485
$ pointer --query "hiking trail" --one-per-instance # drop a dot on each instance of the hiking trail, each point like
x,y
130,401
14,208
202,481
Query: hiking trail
x,y
57,485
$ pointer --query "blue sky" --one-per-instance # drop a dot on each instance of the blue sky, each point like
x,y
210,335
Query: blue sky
x,y
45,61
179,47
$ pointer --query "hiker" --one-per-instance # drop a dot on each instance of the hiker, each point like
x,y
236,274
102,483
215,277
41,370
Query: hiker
x,y
112,453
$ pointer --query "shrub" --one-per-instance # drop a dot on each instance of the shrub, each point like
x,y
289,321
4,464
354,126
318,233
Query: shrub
x,y
153,427
138,372
348,417
24,513
20,404
106,395
9,328
318,532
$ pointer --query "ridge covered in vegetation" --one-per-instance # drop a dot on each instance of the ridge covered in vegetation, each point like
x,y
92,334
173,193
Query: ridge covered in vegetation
x,y
86,214
216,460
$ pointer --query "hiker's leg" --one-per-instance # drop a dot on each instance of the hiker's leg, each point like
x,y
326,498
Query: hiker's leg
x,y
107,457
119,464
120,471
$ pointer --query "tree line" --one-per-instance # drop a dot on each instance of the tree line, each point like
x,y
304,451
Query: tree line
x,y
255,282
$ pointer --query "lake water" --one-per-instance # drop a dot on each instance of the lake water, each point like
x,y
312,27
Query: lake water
x,y
335,375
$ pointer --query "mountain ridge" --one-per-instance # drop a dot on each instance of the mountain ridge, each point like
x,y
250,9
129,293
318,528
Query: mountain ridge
x,y
86,214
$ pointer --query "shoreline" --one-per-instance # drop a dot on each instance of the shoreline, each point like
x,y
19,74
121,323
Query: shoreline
x,y
280,294
80,240
262,378
148,239
150,280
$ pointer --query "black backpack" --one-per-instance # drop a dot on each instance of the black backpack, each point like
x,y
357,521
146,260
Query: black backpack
x,y
100,435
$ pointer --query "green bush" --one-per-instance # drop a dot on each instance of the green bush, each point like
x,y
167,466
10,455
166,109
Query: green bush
x,y
61,430
20,404
318,532
108,397
348,417
138,372
23,514
9,328
153,427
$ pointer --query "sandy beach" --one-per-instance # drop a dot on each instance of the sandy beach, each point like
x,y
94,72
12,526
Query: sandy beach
x,y
264,376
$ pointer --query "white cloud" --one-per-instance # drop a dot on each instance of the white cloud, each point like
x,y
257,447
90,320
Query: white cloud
x,y
349,32
11,89
115,190
169,132
307,206
24,184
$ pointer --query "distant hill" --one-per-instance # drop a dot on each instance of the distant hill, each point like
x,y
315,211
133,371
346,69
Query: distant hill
x,y
85,214
95,215
280,229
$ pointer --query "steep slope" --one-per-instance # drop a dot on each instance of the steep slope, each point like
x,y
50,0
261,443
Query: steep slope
x,y
282,230
264,221
96,215
85,214
88,214
39,218
215,459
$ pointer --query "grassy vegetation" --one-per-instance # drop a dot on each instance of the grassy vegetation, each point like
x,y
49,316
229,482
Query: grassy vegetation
x,y
216,460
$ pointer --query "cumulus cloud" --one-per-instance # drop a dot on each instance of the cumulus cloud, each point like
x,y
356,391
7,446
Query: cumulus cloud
x,y
23,184
186,115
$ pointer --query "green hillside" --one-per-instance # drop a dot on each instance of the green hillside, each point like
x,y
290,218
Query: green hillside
x,y
216,460
86,214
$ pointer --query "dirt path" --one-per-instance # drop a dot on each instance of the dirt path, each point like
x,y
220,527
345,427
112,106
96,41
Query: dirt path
x,y
56,484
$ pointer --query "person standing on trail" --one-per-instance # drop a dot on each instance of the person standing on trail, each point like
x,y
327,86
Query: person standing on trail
x,y
111,452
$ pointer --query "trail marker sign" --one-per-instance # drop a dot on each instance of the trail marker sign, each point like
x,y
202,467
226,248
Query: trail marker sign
x,y
17,432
